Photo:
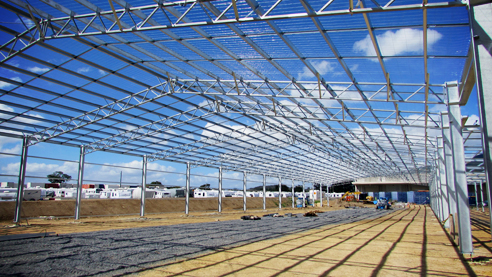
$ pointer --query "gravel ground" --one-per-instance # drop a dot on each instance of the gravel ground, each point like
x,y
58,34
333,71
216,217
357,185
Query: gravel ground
x,y
127,251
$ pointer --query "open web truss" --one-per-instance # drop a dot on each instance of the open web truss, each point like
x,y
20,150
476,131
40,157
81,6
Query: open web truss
x,y
263,87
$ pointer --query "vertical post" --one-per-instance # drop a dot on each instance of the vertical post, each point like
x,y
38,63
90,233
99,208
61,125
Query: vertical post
x,y
20,184
121,177
80,182
476,194
220,189
303,195
448,163
187,204
244,190
279,193
321,195
264,192
328,195
144,182
482,43
293,195
437,188
442,179
481,195
461,186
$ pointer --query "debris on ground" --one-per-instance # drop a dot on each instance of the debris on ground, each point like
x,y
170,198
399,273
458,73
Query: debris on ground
x,y
273,215
318,211
479,260
250,217
310,213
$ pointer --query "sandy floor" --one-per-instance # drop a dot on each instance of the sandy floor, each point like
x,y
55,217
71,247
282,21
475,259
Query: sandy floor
x,y
406,242
90,224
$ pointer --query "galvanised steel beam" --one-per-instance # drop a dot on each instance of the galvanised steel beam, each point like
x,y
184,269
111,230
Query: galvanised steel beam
x,y
235,29
137,99
80,182
20,183
187,196
126,14
449,169
327,39
482,43
220,190
463,210
28,38
159,126
442,180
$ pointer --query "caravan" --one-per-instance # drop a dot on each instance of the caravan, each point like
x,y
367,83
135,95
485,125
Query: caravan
x,y
205,193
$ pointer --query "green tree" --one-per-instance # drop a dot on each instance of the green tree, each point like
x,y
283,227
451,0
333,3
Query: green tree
x,y
205,187
156,183
298,188
58,177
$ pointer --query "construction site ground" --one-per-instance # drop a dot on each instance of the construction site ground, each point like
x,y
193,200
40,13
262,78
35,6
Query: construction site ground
x,y
408,241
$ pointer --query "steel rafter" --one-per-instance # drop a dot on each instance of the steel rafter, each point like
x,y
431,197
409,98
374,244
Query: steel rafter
x,y
169,21
304,127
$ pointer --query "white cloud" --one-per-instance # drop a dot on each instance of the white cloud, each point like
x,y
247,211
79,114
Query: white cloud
x,y
6,108
4,85
37,69
92,173
83,70
346,92
13,63
322,67
102,72
396,43
16,149
42,169
473,120
31,121
28,22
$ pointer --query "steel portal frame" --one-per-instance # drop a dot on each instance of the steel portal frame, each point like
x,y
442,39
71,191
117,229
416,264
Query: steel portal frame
x,y
226,112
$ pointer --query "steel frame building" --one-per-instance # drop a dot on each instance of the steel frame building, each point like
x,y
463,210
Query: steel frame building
x,y
301,90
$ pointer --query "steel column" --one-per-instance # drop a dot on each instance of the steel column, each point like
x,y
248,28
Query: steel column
x,y
481,195
303,195
279,193
187,196
144,182
448,163
461,186
437,188
80,182
321,195
328,196
293,195
489,192
264,192
20,184
482,43
244,190
220,189
442,180
476,194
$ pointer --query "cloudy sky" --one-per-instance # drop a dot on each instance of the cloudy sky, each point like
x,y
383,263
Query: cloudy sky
x,y
394,42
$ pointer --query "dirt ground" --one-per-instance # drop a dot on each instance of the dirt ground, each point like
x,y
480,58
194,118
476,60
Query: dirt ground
x,y
52,215
108,207
407,242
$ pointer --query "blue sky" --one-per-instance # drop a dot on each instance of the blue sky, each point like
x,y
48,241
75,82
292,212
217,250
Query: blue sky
x,y
446,45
